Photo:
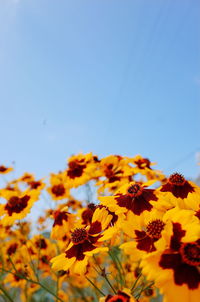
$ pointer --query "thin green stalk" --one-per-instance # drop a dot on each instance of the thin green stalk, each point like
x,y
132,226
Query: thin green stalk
x,y
35,282
139,294
135,283
81,294
31,260
117,267
95,286
143,289
6,294
110,284
57,286
104,275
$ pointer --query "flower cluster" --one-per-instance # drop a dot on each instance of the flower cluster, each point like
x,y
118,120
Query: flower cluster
x,y
110,230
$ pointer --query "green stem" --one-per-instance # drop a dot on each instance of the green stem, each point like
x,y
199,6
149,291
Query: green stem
x,y
110,284
95,286
6,294
143,289
103,274
35,282
117,267
135,283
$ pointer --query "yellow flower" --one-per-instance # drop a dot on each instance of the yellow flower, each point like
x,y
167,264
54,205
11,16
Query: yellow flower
x,y
84,243
175,267
115,171
133,197
143,166
145,232
81,168
5,170
17,206
58,189
63,223
177,191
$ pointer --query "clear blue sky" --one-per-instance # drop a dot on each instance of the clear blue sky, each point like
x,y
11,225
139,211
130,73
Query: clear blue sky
x,y
108,76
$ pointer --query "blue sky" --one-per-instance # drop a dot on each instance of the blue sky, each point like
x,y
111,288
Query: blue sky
x,y
107,76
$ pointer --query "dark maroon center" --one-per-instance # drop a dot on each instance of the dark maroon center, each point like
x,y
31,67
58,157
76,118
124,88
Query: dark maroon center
x,y
135,190
58,190
190,253
154,228
41,244
79,235
75,169
16,204
176,179
143,163
3,169
34,184
59,217
12,249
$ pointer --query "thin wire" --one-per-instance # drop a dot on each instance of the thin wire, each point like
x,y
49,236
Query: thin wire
x,y
163,14
182,160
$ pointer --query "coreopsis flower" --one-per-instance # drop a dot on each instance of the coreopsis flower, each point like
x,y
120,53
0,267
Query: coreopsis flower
x,y
59,188
142,163
26,177
145,233
36,185
84,243
17,205
175,265
87,213
63,223
73,203
81,168
121,296
30,181
143,166
133,197
17,277
5,170
115,171
178,191
80,281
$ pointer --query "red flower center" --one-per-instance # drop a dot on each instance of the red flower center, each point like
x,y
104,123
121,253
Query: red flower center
x,y
197,214
79,236
3,169
143,163
190,253
76,168
14,201
135,190
34,184
154,228
16,204
41,243
117,298
58,190
176,179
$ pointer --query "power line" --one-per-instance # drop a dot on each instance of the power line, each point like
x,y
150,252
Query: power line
x,y
185,158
